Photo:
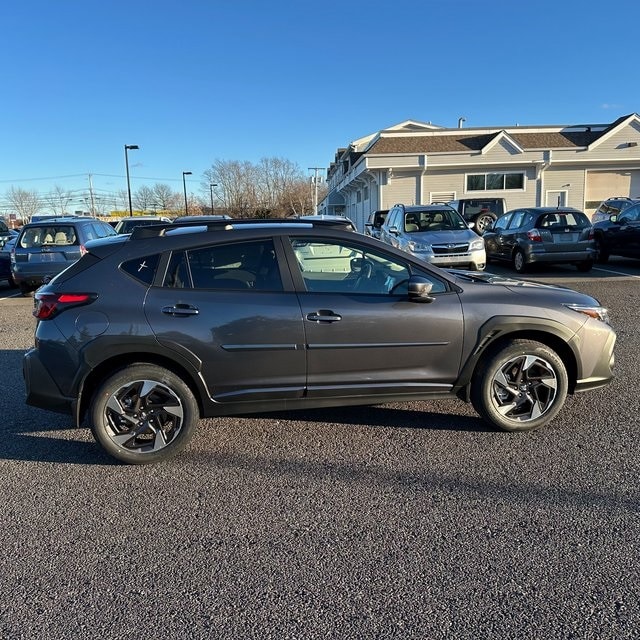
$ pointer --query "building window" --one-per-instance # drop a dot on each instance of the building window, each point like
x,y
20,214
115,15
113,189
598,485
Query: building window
x,y
359,196
366,193
495,181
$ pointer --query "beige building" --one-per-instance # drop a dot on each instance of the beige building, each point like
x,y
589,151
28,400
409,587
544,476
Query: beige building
x,y
418,163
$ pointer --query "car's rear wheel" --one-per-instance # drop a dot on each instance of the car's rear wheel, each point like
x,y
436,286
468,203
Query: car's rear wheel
x,y
519,261
520,386
143,413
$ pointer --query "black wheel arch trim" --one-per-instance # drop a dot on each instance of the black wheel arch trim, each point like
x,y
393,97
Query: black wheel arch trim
x,y
174,357
497,330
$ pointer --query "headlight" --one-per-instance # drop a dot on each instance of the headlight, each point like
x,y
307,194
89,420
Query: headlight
x,y
599,313
418,246
476,245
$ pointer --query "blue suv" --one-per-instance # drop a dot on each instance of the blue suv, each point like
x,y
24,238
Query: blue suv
x,y
43,249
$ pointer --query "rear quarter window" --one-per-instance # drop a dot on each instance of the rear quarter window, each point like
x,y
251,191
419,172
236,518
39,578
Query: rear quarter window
x,y
142,269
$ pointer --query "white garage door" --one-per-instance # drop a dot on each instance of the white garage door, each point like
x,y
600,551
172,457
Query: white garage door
x,y
606,184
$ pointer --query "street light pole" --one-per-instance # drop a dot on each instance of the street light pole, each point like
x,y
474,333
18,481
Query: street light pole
x,y
127,148
184,184
211,191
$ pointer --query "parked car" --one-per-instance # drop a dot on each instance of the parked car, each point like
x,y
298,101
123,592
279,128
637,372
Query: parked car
x,y
612,206
547,235
374,222
619,235
483,212
435,233
45,248
147,333
5,260
126,225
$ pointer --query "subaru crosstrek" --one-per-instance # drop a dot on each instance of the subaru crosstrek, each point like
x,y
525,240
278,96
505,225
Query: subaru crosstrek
x,y
147,333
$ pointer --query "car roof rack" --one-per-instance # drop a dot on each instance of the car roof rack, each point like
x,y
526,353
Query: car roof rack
x,y
192,226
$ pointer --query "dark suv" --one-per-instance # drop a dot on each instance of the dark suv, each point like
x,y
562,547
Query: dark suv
x,y
147,333
45,248
483,212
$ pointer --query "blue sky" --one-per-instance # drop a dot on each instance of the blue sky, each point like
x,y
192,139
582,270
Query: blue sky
x,y
194,81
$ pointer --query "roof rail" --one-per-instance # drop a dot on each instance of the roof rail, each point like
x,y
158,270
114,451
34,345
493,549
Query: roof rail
x,y
163,229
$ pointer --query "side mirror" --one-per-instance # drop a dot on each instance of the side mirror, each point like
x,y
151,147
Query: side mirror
x,y
613,217
394,230
420,289
368,225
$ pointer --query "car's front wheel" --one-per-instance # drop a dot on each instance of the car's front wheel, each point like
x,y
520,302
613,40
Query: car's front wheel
x,y
143,413
520,386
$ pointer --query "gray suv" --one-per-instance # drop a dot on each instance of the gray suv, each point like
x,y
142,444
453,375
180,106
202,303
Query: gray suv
x,y
147,333
435,233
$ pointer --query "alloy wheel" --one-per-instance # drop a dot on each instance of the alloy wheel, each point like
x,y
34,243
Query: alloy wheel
x,y
144,416
524,388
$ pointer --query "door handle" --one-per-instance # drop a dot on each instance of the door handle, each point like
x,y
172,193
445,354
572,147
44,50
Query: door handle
x,y
181,310
324,315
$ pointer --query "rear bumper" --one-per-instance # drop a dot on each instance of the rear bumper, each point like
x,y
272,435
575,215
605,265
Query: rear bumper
x,y
561,256
36,275
41,390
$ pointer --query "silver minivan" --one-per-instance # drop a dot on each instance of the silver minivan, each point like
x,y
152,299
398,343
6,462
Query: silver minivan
x,y
435,233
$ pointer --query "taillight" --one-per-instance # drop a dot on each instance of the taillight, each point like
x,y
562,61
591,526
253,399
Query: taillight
x,y
47,305
83,250
534,235
591,234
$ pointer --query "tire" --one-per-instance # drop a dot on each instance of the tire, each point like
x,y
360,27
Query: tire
x,y
585,266
602,255
483,222
519,261
520,387
143,414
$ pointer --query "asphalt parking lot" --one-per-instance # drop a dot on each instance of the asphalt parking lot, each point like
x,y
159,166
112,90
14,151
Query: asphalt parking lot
x,y
395,521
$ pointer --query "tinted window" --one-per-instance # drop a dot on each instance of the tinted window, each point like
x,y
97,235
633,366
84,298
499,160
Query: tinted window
x,y
563,219
245,265
51,234
142,269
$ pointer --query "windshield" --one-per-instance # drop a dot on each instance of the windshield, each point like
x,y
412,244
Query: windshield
x,y
433,220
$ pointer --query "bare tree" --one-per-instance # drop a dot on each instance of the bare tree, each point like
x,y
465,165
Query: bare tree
x,y
143,198
59,200
26,203
273,187
165,199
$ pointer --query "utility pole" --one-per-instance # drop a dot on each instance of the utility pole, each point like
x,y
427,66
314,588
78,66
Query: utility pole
x,y
93,205
315,184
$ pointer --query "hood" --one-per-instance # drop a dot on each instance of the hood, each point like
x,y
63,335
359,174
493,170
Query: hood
x,y
525,287
449,236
